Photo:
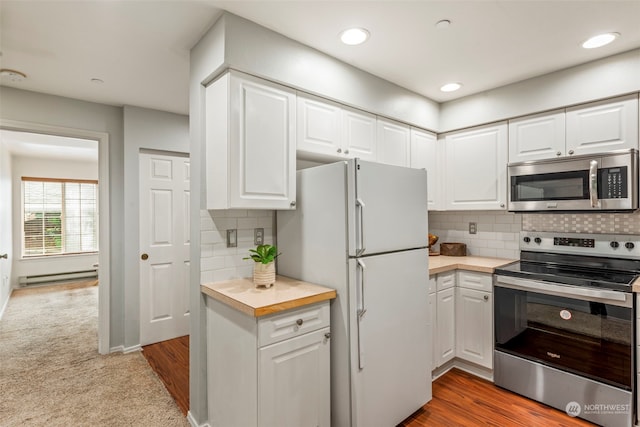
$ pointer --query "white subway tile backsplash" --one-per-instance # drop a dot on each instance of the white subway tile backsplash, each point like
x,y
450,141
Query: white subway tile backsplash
x,y
219,262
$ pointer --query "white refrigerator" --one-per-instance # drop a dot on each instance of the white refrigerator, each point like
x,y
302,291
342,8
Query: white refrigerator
x,y
361,228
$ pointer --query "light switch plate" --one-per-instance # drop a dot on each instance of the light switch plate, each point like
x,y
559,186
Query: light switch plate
x,y
232,238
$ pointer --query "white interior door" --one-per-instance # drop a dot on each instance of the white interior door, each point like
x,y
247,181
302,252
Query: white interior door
x,y
164,247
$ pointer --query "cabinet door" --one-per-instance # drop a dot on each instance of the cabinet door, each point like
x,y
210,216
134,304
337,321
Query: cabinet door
x,y
318,127
446,325
294,382
476,172
393,143
424,155
261,145
433,325
537,137
603,126
474,332
359,134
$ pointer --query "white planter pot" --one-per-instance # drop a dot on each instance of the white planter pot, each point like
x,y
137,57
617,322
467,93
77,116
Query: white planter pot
x,y
264,275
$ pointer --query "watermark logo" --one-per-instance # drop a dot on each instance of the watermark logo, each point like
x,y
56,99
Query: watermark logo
x,y
573,409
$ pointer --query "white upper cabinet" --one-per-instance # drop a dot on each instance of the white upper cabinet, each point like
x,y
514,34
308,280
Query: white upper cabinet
x,y
394,140
358,134
424,155
476,168
537,137
603,126
327,130
319,126
592,128
250,144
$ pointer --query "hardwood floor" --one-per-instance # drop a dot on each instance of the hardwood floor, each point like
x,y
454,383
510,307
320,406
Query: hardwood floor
x,y
459,398
170,360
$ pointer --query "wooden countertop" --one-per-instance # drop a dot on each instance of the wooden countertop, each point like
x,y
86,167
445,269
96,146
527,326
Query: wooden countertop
x,y
443,263
636,286
285,294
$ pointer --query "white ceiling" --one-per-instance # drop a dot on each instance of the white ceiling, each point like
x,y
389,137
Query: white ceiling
x,y
141,48
50,147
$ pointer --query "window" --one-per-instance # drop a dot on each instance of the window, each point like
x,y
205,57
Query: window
x,y
60,216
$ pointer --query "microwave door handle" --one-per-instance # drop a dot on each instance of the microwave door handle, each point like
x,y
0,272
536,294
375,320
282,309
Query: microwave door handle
x,y
593,183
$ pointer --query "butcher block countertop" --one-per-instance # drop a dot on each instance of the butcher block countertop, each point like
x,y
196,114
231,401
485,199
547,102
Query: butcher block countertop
x,y
285,294
442,263
636,286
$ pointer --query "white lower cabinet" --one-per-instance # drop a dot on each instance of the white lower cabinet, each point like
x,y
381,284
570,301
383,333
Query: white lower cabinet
x,y
474,342
268,371
461,318
293,380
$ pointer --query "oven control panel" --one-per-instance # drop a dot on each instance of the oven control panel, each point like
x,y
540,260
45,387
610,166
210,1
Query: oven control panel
x,y
609,245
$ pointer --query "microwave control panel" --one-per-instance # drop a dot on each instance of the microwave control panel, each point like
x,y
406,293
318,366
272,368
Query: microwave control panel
x,y
613,183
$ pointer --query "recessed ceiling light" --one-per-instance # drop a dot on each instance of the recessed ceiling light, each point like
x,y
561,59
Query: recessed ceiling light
x,y
14,76
450,87
600,40
354,36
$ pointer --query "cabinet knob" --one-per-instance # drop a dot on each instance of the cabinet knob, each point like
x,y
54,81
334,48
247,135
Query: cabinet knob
x,y
293,203
327,335
339,150
570,151
144,257
558,153
299,322
486,297
346,151
502,205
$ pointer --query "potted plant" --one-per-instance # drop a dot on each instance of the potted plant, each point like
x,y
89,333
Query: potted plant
x,y
264,269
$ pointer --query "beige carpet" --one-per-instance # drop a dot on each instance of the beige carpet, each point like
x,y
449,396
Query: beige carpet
x,y
52,375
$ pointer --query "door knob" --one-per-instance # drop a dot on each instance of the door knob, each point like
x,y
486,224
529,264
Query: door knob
x,y
5,256
144,257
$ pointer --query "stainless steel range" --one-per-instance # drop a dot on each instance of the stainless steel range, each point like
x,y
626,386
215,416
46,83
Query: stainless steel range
x,y
564,319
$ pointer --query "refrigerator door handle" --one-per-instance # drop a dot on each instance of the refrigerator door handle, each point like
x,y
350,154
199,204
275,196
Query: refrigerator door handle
x,y
361,311
360,205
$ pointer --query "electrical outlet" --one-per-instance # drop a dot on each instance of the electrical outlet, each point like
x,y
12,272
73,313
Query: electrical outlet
x,y
232,238
258,236
473,228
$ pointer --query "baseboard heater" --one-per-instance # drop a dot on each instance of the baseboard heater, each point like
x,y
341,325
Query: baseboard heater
x,y
57,277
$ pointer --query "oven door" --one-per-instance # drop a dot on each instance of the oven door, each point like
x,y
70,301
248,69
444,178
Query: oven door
x,y
584,331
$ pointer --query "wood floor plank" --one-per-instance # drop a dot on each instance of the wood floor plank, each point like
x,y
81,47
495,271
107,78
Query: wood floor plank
x,y
170,360
461,399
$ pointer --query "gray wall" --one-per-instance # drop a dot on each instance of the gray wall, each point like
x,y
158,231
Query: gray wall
x,y
6,243
608,77
32,107
264,53
153,130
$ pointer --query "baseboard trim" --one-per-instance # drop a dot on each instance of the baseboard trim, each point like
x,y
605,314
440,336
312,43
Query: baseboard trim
x,y
125,350
193,422
471,368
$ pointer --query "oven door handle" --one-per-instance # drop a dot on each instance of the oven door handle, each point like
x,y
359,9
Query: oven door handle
x,y
593,183
595,295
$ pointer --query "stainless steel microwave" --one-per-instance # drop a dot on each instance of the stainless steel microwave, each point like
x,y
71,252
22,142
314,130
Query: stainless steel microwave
x,y
599,182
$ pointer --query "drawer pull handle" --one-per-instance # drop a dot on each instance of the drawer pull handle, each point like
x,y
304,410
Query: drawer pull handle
x,y
327,335
299,322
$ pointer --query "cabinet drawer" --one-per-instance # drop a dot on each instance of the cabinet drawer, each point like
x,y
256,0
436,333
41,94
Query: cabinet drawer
x,y
292,323
474,280
446,280
432,284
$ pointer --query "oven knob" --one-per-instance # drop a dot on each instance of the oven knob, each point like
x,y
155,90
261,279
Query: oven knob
x,y
527,239
629,245
614,244
537,240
